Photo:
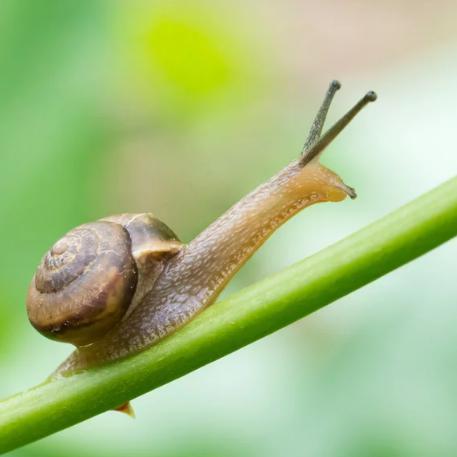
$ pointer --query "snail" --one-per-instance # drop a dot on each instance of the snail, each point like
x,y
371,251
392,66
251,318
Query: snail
x,y
116,286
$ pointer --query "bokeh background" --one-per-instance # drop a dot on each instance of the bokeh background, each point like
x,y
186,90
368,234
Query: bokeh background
x,y
181,108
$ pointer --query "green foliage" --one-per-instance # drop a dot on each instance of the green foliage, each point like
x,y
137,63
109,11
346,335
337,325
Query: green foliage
x,y
95,119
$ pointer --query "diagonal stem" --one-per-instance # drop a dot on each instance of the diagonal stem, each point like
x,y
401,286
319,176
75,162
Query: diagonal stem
x,y
237,321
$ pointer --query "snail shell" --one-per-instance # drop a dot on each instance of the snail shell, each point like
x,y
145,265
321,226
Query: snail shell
x,y
89,280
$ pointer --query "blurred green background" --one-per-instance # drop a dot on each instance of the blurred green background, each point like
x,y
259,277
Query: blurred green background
x,y
180,108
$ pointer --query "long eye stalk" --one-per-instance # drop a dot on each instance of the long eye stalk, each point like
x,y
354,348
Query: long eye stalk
x,y
317,145
318,123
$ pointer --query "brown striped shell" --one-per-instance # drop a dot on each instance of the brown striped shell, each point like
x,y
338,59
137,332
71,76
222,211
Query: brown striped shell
x,y
90,279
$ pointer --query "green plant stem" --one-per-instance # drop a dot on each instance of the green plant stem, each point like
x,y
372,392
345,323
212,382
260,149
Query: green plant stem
x,y
237,321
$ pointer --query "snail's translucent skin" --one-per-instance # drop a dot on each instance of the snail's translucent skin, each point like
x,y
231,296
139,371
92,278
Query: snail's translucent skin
x,y
194,277
174,282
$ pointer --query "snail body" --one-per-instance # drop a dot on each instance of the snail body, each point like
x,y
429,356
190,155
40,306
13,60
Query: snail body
x,y
116,286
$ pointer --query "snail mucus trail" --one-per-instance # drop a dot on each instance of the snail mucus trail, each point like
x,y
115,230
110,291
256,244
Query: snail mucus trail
x,y
117,286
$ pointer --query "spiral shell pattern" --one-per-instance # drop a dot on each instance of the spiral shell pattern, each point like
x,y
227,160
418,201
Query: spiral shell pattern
x,y
84,284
